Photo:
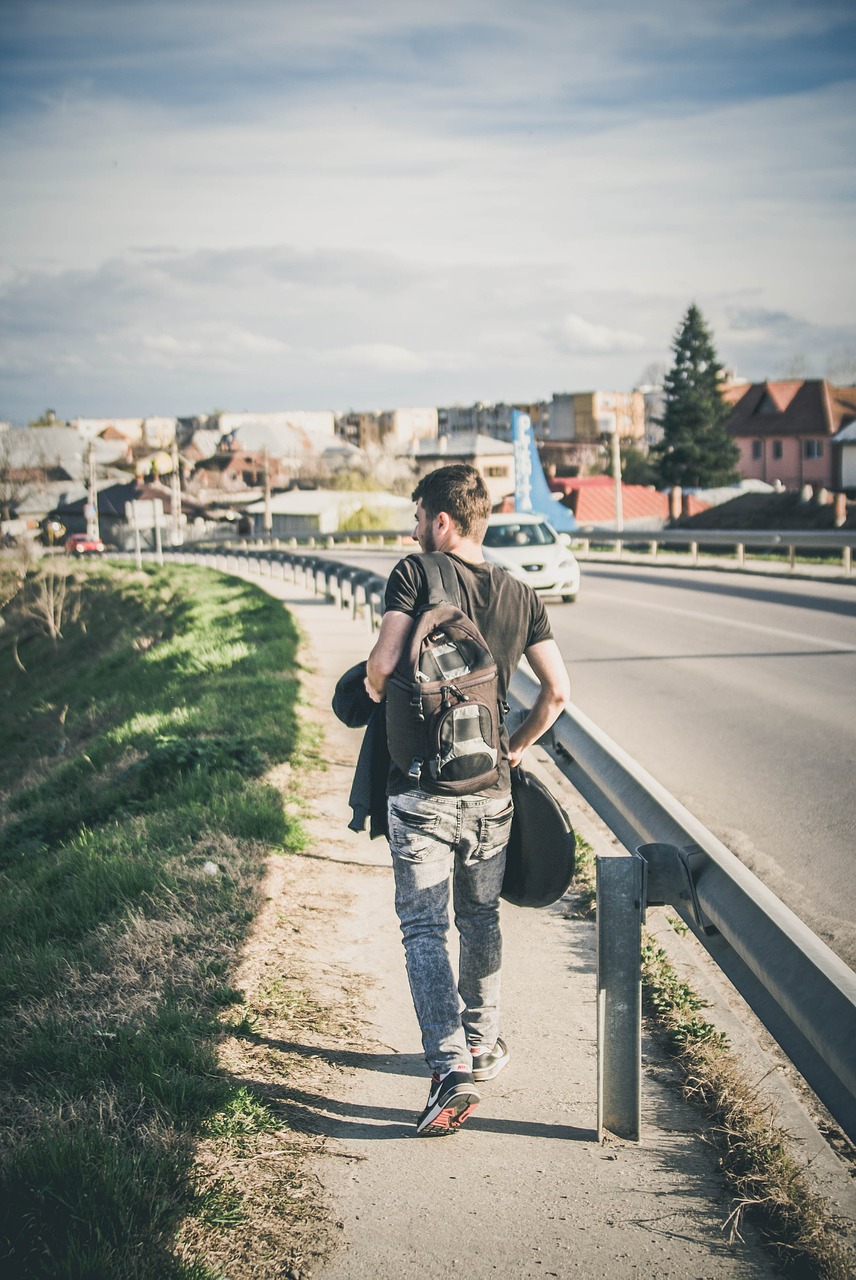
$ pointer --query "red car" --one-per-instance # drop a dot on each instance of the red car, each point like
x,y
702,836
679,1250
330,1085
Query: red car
x,y
80,544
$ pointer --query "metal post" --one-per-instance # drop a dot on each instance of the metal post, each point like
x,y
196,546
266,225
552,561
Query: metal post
x,y
158,510
138,551
620,907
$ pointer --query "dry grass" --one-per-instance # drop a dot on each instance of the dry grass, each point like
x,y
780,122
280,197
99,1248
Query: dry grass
x,y
262,1210
767,1184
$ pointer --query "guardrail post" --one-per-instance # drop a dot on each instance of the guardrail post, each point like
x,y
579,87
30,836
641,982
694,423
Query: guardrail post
x,y
792,558
741,554
620,907
847,560
694,552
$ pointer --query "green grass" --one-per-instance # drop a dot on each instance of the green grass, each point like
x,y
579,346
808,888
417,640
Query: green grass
x,y
135,821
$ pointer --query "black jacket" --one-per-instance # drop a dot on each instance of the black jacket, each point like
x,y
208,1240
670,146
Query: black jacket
x,y
353,706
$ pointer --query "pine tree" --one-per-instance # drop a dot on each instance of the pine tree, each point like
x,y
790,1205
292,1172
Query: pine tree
x,y
696,451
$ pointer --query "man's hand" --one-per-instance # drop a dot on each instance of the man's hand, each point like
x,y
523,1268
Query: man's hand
x,y
372,691
548,666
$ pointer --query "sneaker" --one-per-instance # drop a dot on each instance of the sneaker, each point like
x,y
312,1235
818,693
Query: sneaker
x,y
488,1063
451,1100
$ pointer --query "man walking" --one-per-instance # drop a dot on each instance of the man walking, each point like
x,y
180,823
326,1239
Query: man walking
x,y
438,838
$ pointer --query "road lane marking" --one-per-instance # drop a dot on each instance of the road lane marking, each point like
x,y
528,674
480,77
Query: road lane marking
x,y
726,621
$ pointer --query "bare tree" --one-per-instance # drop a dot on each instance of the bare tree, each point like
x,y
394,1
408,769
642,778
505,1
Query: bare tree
x,y
841,368
22,469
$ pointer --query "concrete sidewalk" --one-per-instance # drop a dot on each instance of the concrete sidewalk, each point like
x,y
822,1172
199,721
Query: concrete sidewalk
x,y
524,1189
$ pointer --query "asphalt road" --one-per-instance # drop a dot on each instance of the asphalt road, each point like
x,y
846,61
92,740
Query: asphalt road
x,y
738,694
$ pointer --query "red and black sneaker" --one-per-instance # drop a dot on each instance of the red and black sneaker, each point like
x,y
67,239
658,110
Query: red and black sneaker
x,y
451,1100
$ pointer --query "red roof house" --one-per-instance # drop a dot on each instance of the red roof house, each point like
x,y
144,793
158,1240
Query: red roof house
x,y
784,431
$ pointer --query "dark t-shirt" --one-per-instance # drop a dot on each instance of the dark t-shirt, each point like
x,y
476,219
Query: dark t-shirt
x,y
507,612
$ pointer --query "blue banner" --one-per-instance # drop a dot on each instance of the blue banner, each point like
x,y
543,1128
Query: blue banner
x,y
531,491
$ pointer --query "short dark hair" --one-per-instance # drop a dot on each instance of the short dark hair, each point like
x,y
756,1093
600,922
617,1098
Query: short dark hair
x,y
460,491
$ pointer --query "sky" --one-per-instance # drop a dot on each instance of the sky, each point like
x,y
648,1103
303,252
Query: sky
x,y
336,204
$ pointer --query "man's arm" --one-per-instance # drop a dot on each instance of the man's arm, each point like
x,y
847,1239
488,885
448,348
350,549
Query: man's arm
x,y
548,665
394,631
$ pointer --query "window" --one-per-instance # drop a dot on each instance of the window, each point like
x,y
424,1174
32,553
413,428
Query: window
x,y
812,448
496,472
777,449
757,450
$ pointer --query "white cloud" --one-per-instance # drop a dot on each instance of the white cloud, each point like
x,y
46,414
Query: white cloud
x,y
472,198
383,356
577,334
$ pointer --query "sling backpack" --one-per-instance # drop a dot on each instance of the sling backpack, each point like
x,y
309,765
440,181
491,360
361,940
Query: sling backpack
x,y
443,711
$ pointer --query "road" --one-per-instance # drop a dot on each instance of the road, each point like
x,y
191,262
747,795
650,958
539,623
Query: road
x,y
738,694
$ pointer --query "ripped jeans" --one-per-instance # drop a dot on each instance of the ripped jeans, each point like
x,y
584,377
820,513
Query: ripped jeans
x,y
430,837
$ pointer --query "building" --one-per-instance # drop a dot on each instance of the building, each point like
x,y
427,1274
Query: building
x,y
360,429
792,432
845,441
402,427
492,420
583,417
236,471
155,433
493,458
308,512
252,427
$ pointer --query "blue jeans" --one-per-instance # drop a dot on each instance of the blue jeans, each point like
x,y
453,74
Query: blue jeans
x,y
430,837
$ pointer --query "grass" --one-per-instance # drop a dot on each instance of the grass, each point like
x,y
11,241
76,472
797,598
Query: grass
x,y
767,1185
136,817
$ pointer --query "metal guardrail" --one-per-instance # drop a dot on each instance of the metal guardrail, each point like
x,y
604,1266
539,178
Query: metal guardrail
x,y
739,541
802,992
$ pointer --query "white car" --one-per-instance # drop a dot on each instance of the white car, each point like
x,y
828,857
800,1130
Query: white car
x,y
528,547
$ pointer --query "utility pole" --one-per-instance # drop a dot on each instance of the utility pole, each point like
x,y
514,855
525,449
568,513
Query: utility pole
x,y
92,530
175,497
268,518
616,474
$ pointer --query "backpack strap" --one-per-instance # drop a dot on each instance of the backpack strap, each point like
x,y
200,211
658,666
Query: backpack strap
x,y
441,579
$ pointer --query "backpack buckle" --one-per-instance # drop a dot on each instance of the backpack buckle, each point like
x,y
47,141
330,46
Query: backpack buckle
x,y
415,771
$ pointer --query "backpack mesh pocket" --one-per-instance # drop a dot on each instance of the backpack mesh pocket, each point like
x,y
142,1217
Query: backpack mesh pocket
x,y
464,750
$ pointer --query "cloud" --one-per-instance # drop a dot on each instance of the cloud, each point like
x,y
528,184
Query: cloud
x,y
383,356
470,199
577,334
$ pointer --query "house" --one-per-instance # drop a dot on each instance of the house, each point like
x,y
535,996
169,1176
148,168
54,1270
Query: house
x,y
41,467
592,500
112,502
236,471
302,512
405,426
570,440
845,442
789,432
493,458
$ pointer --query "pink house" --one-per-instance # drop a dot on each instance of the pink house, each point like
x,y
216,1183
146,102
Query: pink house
x,y
785,431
